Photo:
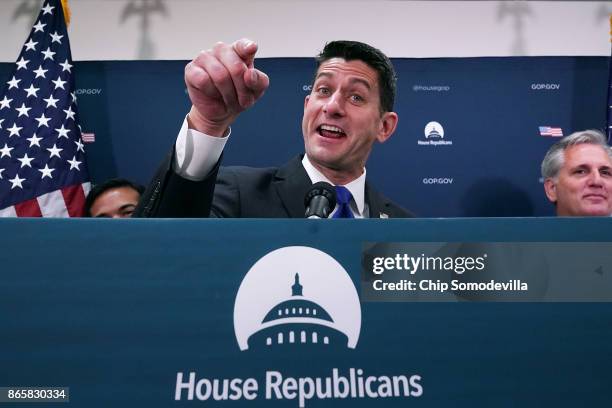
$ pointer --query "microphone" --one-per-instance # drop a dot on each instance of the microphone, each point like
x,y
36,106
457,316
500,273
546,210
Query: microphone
x,y
320,200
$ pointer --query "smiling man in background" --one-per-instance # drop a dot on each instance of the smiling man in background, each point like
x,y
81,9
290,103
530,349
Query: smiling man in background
x,y
577,173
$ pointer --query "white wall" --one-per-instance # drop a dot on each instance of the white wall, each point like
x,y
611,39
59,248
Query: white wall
x,y
178,29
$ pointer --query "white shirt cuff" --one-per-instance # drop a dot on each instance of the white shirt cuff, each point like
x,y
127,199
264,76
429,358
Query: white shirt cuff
x,y
196,153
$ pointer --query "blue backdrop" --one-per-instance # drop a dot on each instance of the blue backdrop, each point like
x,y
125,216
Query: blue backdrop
x,y
490,110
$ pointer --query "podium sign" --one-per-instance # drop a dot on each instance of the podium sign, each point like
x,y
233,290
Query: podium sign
x,y
266,313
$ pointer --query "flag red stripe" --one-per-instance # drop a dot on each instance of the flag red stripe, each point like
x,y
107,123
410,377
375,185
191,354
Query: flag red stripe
x,y
74,197
28,208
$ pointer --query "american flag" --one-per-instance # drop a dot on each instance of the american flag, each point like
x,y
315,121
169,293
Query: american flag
x,y
43,172
551,131
88,137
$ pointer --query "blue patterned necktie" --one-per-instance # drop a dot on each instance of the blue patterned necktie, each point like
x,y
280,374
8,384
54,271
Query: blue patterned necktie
x,y
343,198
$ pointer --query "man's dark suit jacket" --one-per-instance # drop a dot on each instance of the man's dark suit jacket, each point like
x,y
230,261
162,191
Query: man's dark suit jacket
x,y
243,192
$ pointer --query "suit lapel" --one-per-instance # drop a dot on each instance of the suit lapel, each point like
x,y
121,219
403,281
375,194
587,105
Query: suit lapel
x,y
292,182
376,203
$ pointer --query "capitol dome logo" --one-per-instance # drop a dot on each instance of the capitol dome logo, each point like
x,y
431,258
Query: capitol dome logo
x,y
297,297
434,129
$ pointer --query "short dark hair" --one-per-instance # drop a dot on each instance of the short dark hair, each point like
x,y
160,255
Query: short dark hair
x,y
373,57
101,188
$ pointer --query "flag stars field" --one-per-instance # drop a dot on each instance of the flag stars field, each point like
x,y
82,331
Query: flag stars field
x,y
34,140
69,113
31,91
66,66
31,45
55,37
22,64
6,151
23,110
62,132
39,27
46,172
16,182
74,163
47,9
48,54
14,130
80,145
54,151
13,83
51,101
26,161
43,120
5,103
40,72
59,83
39,102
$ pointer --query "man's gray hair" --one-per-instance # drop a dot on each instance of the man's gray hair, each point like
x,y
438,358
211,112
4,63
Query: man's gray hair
x,y
553,161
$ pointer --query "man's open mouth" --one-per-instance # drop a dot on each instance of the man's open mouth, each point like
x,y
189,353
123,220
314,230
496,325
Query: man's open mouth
x,y
330,131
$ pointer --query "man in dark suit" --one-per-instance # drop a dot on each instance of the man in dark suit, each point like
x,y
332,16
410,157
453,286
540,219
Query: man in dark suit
x,y
350,107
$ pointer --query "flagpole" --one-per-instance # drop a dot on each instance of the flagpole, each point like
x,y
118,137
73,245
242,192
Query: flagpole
x,y
67,12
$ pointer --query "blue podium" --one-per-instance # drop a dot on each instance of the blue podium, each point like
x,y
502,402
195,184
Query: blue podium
x,y
162,313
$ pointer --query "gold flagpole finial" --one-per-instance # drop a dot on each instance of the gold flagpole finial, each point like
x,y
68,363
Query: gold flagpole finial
x,y
67,12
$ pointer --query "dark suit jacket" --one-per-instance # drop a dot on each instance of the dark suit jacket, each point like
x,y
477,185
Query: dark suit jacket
x,y
243,192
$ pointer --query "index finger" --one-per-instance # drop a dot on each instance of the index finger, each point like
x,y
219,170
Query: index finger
x,y
246,50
